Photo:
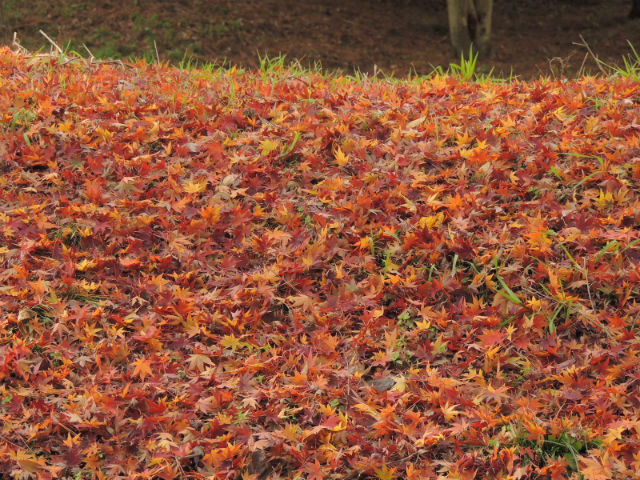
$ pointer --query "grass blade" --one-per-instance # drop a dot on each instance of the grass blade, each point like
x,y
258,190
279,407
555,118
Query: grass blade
x,y
507,292
605,249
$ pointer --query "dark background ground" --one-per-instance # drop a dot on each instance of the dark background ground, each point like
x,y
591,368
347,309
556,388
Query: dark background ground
x,y
532,36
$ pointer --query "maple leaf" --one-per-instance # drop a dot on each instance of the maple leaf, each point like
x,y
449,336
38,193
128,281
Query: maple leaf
x,y
305,302
159,282
385,473
197,361
130,263
268,146
39,287
211,214
449,411
86,264
28,462
422,325
364,243
166,441
192,186
400,385
191,326
127,185
416,122
71,441
492,337
94,190
341,158
593,469
250,402
314,470
432,434
604,200
464,139
142,368
431,222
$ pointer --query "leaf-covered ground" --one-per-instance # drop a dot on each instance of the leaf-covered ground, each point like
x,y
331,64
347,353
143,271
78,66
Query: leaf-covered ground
x,y
281,275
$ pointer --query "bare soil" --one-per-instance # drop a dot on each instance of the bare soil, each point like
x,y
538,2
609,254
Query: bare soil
x,y
530,38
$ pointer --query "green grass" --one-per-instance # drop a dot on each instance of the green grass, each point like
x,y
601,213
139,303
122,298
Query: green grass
x,y
466,70
630,65
564,446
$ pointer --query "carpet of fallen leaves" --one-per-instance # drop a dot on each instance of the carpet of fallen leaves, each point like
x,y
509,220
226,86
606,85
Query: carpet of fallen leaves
x,y
246,275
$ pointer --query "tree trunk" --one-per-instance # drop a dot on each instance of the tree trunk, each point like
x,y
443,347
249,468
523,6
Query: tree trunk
x,y
470,26
459,26
635,9
482,40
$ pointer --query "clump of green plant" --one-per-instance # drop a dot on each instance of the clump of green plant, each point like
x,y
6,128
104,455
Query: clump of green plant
x,y
70,235
630,65
563,446
466,69
21,118
82,296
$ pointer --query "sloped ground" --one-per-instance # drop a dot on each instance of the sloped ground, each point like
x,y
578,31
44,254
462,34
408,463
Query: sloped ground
x,y
531,37
279,274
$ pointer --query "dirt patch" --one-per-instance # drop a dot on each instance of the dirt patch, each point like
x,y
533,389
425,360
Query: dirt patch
x,y
530,37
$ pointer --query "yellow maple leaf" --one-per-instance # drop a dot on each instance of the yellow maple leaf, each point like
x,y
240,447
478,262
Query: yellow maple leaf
x,y
604,200
342,424
85,265
449,411
28,462
400,385
230,341
267,146
431,222
614,434
192,186
464,139
508,122
592,125
423,325
89,286
560,114
534,304
466,153
385,473
341,158
363,243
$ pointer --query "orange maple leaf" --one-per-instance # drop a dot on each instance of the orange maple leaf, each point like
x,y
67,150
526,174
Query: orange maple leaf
x,y
143,367
593,469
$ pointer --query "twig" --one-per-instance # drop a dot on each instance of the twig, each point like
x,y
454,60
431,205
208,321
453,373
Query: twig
x,y
593,55
89,51
17,44
584,60
293,77
542,73
586,279
68,59
157,55
562,62
52,42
